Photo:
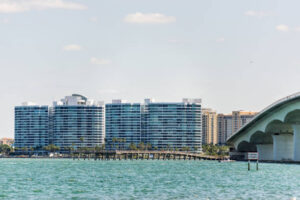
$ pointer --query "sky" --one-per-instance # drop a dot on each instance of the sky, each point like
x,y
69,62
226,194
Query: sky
x,y
233,54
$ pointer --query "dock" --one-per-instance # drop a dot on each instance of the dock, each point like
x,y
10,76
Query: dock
x,y
143,155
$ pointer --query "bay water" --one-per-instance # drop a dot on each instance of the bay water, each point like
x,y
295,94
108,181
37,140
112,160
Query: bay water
x,y
145,179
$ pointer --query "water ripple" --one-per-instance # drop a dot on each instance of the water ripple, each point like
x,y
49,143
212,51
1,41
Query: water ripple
x,y
147,179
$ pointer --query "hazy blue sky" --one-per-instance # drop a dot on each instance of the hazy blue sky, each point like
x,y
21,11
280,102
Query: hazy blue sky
x,y
233,54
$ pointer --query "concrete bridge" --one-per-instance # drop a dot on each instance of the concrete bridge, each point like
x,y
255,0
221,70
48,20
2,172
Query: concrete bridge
x,y
274,133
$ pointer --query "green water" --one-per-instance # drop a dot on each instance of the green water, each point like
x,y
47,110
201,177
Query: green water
x,y
73,179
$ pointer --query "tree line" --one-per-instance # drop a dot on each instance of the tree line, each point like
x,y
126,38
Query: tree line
x,y
214,150
117,144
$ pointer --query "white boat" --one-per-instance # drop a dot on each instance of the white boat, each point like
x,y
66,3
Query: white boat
x,y
226,160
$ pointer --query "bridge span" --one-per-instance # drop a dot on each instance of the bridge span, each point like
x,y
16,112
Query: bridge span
x,y
274,133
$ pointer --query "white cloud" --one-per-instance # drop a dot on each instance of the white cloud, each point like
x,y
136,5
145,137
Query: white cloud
x,y
253,13
221,39
100,61
72,47
15,6
149,18
282,27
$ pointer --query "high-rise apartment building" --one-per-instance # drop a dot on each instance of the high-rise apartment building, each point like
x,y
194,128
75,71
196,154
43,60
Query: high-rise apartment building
x,y
240,118
230,123
31,126
209,126
224,128
77,121
122,124
172,125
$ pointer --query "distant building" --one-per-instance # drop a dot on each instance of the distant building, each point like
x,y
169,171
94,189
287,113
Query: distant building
x,y
209,126
31,126
77,121
240,118
224,127
172,125
8,141
228,124
122,124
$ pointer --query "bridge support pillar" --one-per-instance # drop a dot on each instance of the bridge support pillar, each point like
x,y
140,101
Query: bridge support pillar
x,y
283,147
265,151
296,142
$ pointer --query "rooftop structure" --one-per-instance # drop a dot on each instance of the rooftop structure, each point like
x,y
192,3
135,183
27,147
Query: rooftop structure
x,y
76,100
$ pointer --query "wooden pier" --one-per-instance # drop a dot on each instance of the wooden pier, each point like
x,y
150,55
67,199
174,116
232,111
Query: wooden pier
x,y
143,155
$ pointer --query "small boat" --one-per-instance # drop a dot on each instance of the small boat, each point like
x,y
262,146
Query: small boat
x,y
226,160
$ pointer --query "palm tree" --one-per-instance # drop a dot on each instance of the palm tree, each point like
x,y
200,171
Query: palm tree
x,y
24,149
51,148
124,141
195,148
132,146
148,146
168,147
81,142
114,141
141,146
72,148
31,150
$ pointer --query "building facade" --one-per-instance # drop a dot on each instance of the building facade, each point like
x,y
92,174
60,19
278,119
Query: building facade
x,y
172,125
209,126
240,118
224,128
230,123
7,141
76,122
31,126
122,124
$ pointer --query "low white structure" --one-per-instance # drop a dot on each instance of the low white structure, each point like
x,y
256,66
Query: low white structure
x,y
274,133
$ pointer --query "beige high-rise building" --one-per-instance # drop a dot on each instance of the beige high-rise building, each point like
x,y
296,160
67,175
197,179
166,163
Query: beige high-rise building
x,y
228,124
209,126
240,118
